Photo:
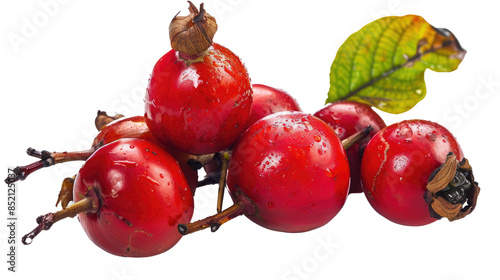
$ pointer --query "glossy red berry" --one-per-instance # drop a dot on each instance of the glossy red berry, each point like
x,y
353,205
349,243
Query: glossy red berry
x,y
200,101
200,108
347,118
268,100
396,167
288,172
135,127
133,195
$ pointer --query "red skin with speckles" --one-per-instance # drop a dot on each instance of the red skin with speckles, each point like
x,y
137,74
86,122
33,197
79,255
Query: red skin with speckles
x,y
142,196
347,118
202,107
135,127
396,166
268,100
293,168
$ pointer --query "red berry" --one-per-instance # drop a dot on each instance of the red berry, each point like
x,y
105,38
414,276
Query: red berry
x,y
268,100
396,166
199,96
132,195
135,127
200,108
347,118
288,172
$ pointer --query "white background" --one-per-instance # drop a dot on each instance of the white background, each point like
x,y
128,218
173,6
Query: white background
x,y
72,58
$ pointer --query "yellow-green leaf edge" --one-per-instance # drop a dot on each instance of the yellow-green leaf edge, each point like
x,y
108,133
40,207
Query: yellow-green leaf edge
x,y
383,64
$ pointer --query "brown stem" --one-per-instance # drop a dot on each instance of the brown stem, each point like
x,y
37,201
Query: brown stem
x,y
356,137
45,222
47,159
222,181
243,206
209,179
198,161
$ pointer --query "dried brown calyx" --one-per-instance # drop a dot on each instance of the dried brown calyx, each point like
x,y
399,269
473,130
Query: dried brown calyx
x,y
103,119
192,34
451,191
66,193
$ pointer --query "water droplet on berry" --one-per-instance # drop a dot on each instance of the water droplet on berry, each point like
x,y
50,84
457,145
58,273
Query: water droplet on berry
x,y
162,176
308,126
270,205
361,110
132,146
148,179
125,163
328,172
404,131
400,163
431,137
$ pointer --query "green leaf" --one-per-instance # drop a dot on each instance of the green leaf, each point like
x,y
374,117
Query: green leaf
x,y
383,64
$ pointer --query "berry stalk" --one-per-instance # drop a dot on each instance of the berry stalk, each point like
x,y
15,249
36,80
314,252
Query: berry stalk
x,y
243,206
45,222
48,159
198,161
356,137
222,181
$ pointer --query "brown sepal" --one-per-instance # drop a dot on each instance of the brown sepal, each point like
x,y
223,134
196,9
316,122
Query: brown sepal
x,y
440,207
102,119
192,34
66,193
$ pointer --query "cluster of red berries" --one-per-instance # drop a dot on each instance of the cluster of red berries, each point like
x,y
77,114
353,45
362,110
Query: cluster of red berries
x,y
285,170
